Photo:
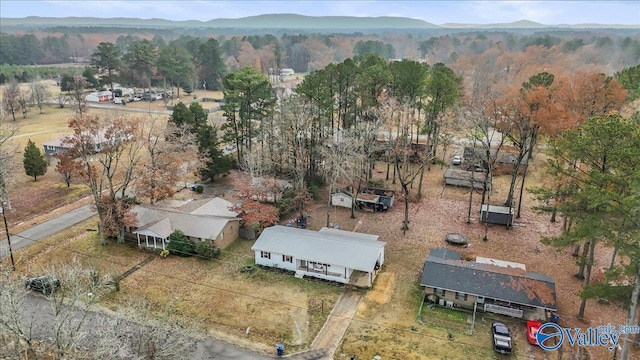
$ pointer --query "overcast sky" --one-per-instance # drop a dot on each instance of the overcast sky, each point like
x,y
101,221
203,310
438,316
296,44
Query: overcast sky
x,y
436,12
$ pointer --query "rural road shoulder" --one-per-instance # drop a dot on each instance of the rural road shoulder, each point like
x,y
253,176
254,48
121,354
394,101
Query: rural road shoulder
x,y
47,228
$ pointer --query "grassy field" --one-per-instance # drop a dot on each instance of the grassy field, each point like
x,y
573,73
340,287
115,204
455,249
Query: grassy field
x,y
81,242
225,302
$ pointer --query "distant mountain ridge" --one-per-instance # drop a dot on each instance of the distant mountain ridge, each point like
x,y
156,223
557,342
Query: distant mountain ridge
x,y
528,24
284,21
270,21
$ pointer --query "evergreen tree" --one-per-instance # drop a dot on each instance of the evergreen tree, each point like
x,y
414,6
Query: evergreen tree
x,y
194,120
34,162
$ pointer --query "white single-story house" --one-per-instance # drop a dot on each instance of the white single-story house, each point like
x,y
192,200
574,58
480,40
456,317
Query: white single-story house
x,y
287,72
100,96
336,255
154,225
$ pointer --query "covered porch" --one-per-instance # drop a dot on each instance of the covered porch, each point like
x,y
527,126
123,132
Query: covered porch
x,y
315,268
150,239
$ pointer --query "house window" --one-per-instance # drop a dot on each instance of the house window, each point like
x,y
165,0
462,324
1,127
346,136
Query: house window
x,y
230,229
439,292
461,296
265,254
287,258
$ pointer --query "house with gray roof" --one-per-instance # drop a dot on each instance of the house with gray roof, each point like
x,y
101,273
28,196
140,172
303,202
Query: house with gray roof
x,y
487,285
217,206
331,254
154,225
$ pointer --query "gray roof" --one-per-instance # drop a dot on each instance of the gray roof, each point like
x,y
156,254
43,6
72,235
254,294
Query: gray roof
x,y
445,271
329,246
208,206
159,222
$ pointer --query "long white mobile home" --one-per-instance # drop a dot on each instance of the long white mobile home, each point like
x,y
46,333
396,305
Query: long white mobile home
x,y
337,255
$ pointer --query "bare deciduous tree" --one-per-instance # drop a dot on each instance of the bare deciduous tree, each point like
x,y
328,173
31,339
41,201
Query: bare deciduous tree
x,y
408,165
482,117
171,153
7,159
77,94
344,159
135,334
39,93
109,151
62,100
11,99
57,330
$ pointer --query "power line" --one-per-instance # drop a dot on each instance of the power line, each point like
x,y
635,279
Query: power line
x,y
362,321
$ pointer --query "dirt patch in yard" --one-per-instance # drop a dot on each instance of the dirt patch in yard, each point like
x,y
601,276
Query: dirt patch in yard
x,y
382,289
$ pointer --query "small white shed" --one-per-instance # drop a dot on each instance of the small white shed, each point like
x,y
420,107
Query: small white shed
x,y
341,199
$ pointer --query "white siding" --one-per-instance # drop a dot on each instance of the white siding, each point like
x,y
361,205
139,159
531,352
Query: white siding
x,y
341,200
276,261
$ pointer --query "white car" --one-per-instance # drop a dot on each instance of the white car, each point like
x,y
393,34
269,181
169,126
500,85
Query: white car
x,y
117,100
457,160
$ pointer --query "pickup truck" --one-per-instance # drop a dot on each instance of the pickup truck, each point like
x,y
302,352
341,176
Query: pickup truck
x,y
501,338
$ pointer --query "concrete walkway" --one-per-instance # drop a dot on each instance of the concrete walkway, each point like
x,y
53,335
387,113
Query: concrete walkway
x,y
331,334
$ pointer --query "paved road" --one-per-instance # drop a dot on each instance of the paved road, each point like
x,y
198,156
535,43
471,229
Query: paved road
x,y
154,108
37,310
47,228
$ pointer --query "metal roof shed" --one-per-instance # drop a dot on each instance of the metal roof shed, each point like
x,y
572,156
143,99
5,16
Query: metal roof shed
x,y
501,215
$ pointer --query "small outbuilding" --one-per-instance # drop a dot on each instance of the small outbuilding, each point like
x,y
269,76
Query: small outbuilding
x,y
342,198
465,178
501,215
368,198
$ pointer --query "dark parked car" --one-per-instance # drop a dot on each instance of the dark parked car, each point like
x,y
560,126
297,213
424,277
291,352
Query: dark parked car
x,y
44,284
501,338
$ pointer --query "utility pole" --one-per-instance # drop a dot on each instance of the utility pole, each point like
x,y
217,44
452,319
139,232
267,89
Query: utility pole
x,y
6,229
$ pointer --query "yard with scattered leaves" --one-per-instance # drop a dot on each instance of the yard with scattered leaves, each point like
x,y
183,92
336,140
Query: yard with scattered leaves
x,y
259,308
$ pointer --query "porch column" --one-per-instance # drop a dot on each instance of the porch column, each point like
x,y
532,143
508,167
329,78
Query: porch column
x,y
138,237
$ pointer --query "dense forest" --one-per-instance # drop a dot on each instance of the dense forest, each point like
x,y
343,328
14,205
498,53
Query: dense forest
x,y
606,50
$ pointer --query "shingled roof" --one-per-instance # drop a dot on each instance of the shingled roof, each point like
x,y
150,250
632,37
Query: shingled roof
x,y
445,269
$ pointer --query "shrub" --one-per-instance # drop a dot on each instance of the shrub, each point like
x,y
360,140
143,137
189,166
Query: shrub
x,y
180,245
285,203
199,189
206,249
